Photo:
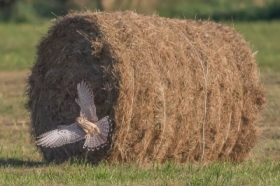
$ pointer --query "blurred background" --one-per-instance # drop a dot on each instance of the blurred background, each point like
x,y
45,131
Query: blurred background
x,y
218,10
22,20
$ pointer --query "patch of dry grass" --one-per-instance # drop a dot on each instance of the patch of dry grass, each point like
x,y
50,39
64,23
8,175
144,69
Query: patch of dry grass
x,y
14,119
11,97
268,146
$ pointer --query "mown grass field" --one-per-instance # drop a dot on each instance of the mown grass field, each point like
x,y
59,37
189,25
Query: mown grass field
x,y
21,162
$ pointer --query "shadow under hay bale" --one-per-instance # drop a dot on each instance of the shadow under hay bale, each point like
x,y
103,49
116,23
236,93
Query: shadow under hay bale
x,y
175,89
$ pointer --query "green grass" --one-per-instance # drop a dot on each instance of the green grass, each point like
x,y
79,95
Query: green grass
x,y
240,10
17,44
249,173
21,162
264,38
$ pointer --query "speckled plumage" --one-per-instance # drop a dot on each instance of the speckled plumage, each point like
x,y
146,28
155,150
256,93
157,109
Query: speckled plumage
x,y
86,125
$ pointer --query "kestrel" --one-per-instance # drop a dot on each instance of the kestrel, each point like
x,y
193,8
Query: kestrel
x,y
86,126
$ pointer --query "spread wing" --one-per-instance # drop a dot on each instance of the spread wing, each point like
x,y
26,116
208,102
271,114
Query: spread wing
x,y
94,142
64,134
86,101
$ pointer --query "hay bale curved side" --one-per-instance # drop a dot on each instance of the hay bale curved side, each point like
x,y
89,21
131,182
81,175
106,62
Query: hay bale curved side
x,y
175,89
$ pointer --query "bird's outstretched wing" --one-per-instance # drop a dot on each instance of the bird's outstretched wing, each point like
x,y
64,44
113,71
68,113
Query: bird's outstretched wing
x,y
64,134
86,101
94,142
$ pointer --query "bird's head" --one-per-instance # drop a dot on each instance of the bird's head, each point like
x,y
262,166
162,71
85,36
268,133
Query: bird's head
x,y
80,119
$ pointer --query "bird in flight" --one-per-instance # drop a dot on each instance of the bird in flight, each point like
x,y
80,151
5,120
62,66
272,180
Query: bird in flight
x,y
86,126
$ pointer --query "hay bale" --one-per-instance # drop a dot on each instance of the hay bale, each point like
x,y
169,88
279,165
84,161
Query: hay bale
x,y
175,89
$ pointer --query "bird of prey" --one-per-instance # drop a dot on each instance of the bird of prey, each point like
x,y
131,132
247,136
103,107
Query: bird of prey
x,y
86,126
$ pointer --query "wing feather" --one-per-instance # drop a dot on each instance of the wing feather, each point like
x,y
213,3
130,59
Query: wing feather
x,y
64,134
86,101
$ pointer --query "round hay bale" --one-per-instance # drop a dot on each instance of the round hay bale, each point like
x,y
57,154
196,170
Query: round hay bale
x,y
175,89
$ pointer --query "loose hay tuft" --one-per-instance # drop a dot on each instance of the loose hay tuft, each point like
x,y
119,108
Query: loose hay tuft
x,y
175,89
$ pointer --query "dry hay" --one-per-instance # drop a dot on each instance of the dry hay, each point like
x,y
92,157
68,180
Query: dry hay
x,y
175,89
